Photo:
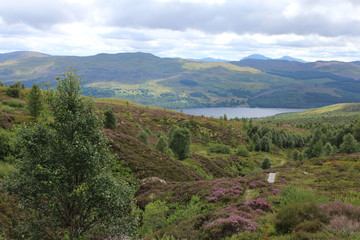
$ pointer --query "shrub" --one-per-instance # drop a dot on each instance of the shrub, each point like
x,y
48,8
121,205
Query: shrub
x,y
143,137
179,142
14,90
291,216
110,119
220,148
154,217
223,227
14,103
266,163
242,151
258,203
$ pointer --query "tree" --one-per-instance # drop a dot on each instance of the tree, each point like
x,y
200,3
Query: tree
x,y
62,178
349,145
14,90
143,137
266,163
110,119
179,142
317,149
35,105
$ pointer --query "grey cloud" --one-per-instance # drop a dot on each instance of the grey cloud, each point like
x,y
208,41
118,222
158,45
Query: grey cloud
x,y
39,14
257,16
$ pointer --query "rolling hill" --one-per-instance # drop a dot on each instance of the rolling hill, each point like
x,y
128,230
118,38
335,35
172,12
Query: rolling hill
x,y
178,83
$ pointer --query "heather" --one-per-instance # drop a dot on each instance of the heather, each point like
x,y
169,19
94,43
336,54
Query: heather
x,y
206,178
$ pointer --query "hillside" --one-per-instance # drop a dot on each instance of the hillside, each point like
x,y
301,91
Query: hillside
x,y
178,83
221,191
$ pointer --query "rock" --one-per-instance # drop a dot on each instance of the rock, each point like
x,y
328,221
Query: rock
x,y
152,180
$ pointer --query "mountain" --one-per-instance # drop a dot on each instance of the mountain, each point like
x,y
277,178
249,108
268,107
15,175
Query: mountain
x,y
209,59
256,56
291,59
20,54
178,83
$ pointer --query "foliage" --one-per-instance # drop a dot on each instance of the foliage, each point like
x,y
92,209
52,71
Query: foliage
x,y
220,148
291,216
110,119
294,194
154,217
143,137
242,151
6,144
62,177
14,103
266,163
179,142
349,145
35,105
14,90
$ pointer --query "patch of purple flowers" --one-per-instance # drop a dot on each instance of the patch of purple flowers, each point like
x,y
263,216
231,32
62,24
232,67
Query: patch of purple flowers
x,y
258,203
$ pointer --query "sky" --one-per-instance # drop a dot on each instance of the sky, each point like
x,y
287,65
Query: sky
x,y
225,29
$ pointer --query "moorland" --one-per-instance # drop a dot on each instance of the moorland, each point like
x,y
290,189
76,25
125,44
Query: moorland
x,y
213,184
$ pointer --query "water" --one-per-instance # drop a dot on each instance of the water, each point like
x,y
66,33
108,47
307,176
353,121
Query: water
x,y
240,112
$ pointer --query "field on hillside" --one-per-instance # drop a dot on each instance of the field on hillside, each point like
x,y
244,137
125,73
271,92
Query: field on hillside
x,y
217,188
177,83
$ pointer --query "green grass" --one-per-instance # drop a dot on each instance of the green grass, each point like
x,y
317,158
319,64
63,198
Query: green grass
x,y
5,169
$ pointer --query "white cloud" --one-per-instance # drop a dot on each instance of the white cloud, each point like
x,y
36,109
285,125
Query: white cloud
x,y
309,29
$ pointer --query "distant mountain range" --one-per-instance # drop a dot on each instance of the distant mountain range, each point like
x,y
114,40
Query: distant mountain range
x,y
255,81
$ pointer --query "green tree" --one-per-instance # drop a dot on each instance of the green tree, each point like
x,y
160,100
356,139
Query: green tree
x,y
62,178
328,149
1,84
317,149
35,105
143,137
349,145
266,163
161,144
265,144
179,142
14,90
110,119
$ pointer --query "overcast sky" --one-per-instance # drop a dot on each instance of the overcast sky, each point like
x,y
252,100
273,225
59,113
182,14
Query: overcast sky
x,y
226,29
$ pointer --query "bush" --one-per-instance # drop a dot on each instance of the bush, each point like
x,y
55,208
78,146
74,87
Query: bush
x,y
14,90
291,216
223,227
14,103
110,119
242,151
220,148
179,142
154,217
143,137
266,163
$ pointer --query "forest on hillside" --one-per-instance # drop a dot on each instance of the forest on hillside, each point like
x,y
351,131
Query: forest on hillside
x,y
74,167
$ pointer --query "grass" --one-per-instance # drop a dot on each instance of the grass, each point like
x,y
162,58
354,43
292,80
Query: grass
x,y
5,169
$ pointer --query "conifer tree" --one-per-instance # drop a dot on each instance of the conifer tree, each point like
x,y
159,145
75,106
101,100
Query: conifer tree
x,y
35,105
349,145
110,119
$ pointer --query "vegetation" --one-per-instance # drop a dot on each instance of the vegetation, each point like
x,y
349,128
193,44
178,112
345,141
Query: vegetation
x,y
178,83
66,160
35,105
218,191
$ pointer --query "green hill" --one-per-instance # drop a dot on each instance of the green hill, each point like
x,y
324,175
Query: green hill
x,y
178,83
221,190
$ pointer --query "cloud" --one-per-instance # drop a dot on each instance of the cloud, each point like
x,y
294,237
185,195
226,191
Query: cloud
x,y
229,29
257,16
